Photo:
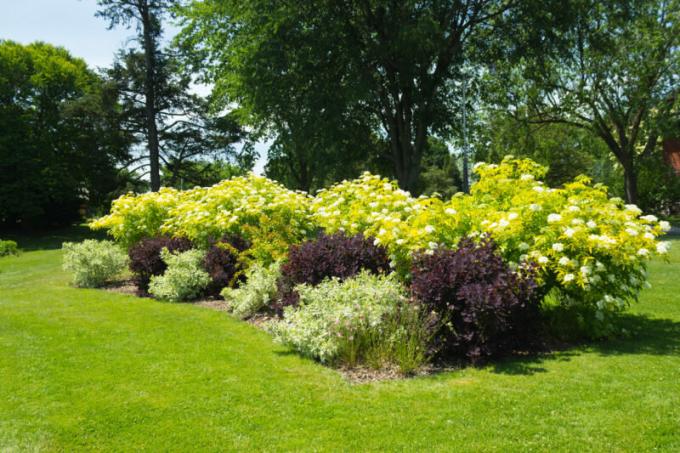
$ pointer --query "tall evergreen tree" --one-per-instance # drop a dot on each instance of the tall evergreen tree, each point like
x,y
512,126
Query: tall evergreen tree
x,y
147,17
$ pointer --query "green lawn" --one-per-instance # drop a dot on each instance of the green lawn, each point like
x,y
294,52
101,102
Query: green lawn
x,y
89,369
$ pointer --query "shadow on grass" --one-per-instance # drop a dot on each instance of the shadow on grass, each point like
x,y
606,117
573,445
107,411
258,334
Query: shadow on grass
x,y
647,336
530,364
35,239
651,336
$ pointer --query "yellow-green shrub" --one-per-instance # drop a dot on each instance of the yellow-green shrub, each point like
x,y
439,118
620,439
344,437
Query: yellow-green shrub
x,y
266,214
134,217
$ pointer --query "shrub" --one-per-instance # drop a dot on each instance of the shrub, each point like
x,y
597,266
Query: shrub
x,y
265,213
93,263
8,248
374,207
483,307
257,293
135,217
328,256
184,279
223,263
591,250
146,261
348,322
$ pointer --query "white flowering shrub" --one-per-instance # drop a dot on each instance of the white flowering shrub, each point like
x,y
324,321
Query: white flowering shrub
x,y
377,208
93,263
134,217
334,318
591,249
183,280
256,293
261,211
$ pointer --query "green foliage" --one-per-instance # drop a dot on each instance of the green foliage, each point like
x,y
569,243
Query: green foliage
x,y
353,321
181,174
93,263
256,293
440,172
659,186
183,280
318,135
8,248
327,78
61,135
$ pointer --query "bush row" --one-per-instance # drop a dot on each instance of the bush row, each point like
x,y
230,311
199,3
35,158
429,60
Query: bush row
x,y
590,249
365,273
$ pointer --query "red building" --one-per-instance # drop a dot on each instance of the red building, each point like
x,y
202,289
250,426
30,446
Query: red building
x,y
671,153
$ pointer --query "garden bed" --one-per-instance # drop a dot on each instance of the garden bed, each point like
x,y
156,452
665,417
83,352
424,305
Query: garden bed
x,y
364,276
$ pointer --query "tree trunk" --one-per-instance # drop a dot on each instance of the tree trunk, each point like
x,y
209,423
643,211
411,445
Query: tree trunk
x,y
150,98
406,155
406,164
630,183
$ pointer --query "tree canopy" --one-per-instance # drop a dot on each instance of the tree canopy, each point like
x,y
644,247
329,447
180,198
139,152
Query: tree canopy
x,y
320,68
61,135
614,72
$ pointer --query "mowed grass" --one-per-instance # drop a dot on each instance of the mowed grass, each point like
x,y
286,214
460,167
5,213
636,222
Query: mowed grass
x,y
90,369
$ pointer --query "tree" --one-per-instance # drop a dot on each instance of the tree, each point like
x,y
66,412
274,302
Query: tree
x,y
147,16
197,173
615,74
440,171
186,129
317,135
61,135
389,64
566,151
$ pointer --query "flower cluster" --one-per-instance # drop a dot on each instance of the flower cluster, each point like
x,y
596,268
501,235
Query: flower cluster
x,y
376,207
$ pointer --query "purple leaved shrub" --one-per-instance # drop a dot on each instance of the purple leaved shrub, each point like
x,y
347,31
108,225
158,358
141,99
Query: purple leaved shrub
x,y
146,261
482,307
222,262
335,255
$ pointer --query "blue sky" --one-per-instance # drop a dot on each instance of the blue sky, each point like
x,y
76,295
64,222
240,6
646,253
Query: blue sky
x,y
67,23
72,25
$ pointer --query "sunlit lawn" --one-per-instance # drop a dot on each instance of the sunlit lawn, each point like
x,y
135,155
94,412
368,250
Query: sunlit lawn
x,y
90,369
